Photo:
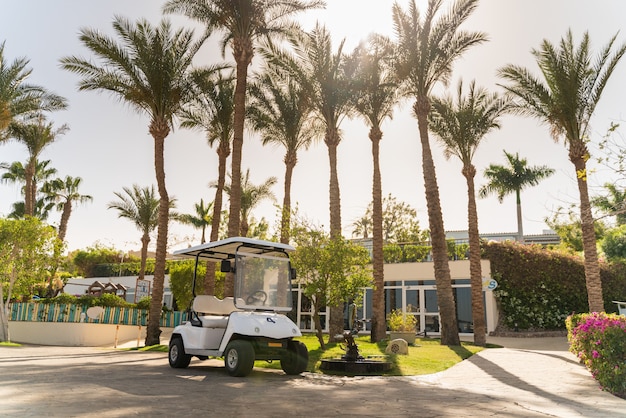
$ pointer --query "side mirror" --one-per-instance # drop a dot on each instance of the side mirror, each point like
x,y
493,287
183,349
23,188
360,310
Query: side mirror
x,y
225,266
293,273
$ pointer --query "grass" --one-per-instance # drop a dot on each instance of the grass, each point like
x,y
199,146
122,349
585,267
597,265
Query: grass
x,y
427,356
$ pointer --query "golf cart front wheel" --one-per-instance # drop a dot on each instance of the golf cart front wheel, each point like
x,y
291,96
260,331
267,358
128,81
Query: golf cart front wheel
x,y
176,356
296,358
239,358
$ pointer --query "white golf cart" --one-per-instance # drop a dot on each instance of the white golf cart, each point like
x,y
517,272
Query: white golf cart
x,y
252,325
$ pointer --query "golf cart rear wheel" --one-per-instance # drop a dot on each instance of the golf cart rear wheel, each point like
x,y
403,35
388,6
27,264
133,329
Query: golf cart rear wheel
x,y
177,357
239,358
296,359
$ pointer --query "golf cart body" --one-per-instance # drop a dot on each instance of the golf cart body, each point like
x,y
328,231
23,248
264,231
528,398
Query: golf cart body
x,y
251,325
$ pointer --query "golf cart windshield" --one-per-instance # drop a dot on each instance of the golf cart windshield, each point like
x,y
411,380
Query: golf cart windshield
x,y
262,282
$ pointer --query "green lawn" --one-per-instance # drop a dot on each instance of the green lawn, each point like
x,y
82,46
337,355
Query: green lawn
x,y
425,357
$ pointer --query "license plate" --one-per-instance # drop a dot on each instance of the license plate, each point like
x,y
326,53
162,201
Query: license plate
x,y
274,345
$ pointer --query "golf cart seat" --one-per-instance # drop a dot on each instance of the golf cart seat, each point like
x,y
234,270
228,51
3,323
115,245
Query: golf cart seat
x,y
213,312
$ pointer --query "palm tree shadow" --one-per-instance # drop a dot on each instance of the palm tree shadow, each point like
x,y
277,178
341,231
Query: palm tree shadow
x,y
510,379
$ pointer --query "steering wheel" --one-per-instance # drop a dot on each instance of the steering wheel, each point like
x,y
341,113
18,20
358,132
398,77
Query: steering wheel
x,y
258,297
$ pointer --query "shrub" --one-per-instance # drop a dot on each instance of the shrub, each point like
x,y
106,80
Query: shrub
x,y
62,298
392,253
598,339
401,321
144,303
416,253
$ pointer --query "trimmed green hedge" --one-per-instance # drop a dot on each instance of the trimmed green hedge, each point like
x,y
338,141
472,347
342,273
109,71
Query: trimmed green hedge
x,y
539,288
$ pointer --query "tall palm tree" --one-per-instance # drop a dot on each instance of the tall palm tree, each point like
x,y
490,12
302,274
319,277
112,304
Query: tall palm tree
x,y
513,178
426,49
377,88
16,173
19,99
63,193
140,206
243,23
200,220
322,73
280,111
251,196
461,126
212,110
36,135
148,68
565,99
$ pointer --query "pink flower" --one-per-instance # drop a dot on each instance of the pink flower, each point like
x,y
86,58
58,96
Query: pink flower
x,y
595,354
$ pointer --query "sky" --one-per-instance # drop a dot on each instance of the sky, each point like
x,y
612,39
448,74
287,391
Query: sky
x,y
109,147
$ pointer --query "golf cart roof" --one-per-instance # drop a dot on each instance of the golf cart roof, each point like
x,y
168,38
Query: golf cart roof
x,y
226,248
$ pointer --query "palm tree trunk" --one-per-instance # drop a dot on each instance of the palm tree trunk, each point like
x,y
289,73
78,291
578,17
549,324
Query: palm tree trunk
x,y
443,280
379,326
242,53
520,228
29,189
476,277
592,268
159,130
223,151
285,221
145,240
65,217
332,141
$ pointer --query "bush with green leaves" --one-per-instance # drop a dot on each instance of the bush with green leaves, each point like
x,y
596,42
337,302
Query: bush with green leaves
x,y
598,339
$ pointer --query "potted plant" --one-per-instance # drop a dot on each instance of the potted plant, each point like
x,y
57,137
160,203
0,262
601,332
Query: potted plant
x,y
402,325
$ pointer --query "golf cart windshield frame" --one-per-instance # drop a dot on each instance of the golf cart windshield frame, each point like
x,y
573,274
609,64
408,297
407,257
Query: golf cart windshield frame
x,y
273,256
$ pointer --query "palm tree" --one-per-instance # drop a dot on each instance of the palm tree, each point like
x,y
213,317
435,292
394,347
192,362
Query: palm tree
x,y
16,173
363,225
377,88
565,100
322,73
251,196
148,69
280,111
36,135
212,110
505,180
18,98
461,127
63,192
243,22
200,220
426,50
140,206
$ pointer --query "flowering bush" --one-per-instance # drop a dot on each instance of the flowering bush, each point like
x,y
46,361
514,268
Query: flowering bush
x,y
599,341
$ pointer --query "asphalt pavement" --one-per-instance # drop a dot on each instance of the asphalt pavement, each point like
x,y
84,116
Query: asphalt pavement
x,y
529,377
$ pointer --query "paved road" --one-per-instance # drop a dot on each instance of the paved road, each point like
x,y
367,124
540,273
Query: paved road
x,y
527,379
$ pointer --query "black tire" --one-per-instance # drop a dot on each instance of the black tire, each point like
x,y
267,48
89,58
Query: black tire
x,y
176,356
296,359
239,358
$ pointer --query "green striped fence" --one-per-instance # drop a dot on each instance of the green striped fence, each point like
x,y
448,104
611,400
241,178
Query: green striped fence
x,y
61,312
